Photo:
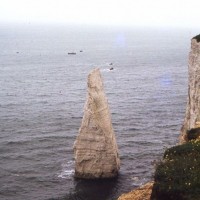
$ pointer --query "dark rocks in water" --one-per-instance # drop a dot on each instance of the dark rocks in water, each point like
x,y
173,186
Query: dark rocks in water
x,y
111,68
81,50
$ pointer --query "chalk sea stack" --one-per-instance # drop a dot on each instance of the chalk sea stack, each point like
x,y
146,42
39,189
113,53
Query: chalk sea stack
x,y
95,148
192,116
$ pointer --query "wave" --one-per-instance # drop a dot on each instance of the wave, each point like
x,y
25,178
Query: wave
x,y
67,171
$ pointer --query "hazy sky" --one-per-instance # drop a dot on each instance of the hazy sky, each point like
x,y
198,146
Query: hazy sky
x,y
181,13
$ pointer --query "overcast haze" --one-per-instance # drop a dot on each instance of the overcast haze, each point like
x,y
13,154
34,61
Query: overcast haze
x,y
175,13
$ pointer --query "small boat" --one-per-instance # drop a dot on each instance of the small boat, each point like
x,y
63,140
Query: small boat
x,y
111,68
81,50
71,53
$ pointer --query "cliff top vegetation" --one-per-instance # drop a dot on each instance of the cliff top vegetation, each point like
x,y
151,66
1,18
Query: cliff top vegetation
x,y
178,175
197,37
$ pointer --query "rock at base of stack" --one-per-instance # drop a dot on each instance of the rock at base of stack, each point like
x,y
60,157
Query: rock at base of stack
x,y
95,148
192,116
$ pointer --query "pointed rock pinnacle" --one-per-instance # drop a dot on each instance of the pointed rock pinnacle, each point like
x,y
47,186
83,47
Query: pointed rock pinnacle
x,y
95,148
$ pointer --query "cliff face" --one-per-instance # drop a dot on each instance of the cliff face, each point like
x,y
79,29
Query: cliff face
x,y
192,116
95,148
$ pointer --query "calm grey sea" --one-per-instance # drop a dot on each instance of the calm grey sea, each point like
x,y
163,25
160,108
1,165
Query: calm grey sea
x,y
42,95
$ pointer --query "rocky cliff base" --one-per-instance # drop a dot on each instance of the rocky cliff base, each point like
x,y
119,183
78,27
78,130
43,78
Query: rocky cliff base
x,y
142,193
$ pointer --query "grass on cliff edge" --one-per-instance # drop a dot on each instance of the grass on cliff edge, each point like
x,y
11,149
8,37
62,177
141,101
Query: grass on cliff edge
x,y
177,177
197,37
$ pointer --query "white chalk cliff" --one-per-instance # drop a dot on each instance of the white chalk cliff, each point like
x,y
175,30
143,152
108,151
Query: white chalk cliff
x,y
192,116
95,148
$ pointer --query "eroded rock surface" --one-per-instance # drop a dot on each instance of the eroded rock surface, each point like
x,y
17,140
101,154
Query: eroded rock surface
x,y
141,193
192,116
95,148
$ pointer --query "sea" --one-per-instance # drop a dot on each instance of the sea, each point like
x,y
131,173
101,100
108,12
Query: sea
x,y
43,91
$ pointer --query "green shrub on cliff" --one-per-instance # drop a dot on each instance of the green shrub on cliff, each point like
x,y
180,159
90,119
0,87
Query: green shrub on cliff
x,y
197,37
193,134
177,177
